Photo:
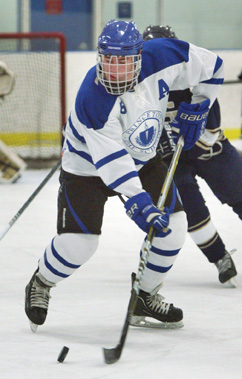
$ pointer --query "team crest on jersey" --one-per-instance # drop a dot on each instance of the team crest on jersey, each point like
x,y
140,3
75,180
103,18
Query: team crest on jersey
x,y
144,134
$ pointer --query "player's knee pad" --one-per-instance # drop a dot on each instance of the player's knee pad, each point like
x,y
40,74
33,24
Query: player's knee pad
x,y
77,248
178,225
166,248
176,239
65,254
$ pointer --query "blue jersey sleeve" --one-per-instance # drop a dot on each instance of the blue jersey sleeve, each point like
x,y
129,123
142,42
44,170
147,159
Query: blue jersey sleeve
x,y
168,52
93,104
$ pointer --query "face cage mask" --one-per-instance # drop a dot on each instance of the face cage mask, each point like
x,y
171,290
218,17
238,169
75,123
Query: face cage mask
x,y
114,86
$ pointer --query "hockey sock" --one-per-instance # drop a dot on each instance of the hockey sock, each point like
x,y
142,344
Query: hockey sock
x,y
66,253
200,226
163,252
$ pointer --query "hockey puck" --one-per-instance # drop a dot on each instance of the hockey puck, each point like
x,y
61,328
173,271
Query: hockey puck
x,y
63,354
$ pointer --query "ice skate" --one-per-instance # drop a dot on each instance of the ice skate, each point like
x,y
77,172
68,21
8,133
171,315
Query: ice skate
x,y
227,270
152,312
37,295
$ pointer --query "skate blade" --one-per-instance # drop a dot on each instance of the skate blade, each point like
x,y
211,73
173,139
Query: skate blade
x,y
33,327
231,283
143,322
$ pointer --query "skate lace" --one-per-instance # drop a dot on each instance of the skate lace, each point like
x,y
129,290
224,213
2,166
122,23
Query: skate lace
x,y
39,296
157,304
224,264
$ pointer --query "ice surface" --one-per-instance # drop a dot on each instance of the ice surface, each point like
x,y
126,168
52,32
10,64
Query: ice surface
x,y
87,310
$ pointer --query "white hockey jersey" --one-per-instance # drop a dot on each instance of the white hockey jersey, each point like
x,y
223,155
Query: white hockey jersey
x,y
115,136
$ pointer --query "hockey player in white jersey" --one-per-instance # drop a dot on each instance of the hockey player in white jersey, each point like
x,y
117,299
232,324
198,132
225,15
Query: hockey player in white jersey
x,y
110,145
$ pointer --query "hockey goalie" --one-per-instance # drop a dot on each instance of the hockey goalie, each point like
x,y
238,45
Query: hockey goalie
x,y
11,165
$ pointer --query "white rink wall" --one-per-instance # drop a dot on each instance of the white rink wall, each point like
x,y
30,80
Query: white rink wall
x,y
230,96
77,65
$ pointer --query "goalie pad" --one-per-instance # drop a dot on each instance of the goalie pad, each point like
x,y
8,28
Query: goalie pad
x,y
11,165
7,79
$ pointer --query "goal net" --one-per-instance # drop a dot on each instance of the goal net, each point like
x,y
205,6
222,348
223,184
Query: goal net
x,y
32,116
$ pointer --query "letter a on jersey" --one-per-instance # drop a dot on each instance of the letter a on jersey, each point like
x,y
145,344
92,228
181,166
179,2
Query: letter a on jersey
x,y
163,89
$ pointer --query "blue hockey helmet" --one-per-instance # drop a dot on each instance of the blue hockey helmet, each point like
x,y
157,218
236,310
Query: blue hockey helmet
x,y
119,56
120,38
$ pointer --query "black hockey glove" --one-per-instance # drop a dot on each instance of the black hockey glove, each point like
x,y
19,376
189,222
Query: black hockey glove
x,y
166,146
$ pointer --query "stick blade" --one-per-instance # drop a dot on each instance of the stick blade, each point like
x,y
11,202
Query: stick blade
x,y
112,355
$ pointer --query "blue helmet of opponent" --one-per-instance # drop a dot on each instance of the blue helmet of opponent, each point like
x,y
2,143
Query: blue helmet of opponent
x,y
119,56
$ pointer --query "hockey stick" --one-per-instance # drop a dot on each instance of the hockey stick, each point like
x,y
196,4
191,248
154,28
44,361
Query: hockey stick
x,y
30,199
232,82
112,355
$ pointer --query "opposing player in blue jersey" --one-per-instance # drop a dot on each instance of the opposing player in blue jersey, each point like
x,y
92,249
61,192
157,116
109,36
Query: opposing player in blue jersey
x,y
214,159
110,144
